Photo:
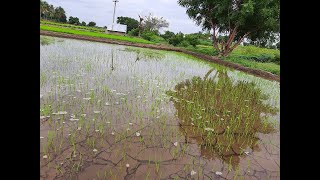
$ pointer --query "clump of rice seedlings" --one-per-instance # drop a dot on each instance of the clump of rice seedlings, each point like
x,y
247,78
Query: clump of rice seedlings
x,y
225,114
46,40
146,54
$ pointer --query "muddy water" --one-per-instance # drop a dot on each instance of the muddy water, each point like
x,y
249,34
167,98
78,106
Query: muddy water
x,y
105,107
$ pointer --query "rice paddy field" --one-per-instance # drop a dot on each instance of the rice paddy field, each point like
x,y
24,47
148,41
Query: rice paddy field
x,y
117,112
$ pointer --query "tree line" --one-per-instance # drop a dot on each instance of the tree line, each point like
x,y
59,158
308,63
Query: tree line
x,y
58,14
230,21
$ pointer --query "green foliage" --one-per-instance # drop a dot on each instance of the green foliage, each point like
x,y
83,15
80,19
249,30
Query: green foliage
x,y
50,12
269,67
134,32
91,29
184,43
176,39
152,36
167,35
74,20
192,39
147,35
94,34
83,23
130,22
91,24
205,42
207,50
247,18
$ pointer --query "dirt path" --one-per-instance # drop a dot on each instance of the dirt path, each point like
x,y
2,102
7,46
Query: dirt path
x,y
255,72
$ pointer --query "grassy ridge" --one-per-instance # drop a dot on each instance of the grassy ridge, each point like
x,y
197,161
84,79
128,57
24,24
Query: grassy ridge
x,y
248,56
94,34
92,29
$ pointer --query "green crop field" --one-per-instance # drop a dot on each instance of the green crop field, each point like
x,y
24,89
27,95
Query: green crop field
x,y
93,34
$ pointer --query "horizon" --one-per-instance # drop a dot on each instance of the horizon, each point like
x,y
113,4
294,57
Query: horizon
x,y
93,10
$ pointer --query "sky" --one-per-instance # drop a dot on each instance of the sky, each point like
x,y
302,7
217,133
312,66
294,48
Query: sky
x,y
101,12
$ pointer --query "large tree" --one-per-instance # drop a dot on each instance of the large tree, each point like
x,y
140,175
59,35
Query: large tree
x,y
60,15
237,19
154,23
130,22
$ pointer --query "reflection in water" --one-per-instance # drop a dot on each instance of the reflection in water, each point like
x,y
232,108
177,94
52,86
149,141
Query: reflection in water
x,y
112,67
223,117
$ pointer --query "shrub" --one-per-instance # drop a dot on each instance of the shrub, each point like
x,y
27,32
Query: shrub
x,y
134,32
176,39
184,43
147,35
192,39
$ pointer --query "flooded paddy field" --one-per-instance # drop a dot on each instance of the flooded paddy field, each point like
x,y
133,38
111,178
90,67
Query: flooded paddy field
x,y
117,112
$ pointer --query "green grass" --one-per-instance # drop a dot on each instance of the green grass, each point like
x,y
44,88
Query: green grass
x,y
94,34
92,29
268,66
248,56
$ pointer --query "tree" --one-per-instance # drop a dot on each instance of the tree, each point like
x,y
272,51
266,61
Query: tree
x,y
192,39
83,23
153,23
176,39
74,20
269,40
167,35
140,25
60,15
92,24
236,18
130,22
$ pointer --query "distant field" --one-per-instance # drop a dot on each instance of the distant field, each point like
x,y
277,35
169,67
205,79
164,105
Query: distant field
x,y
248,56
93,34
71,26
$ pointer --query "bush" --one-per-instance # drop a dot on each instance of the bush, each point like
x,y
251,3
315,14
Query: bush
x,y
192,39
167,35
147,35
176,39
205,42
203,50
134,32
157,39
184,43
276,59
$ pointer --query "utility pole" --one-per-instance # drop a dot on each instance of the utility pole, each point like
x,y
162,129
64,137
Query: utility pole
x,y
114,11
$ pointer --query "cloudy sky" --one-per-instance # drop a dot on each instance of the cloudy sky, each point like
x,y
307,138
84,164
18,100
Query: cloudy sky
x,y
101,11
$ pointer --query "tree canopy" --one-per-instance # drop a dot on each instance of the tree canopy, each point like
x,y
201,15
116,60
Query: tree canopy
x,y
74,20
154,23
48,11
130,22
236,18
92,24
